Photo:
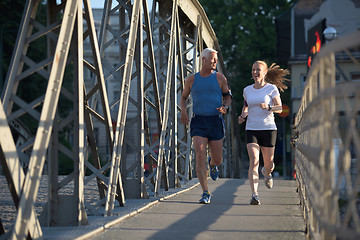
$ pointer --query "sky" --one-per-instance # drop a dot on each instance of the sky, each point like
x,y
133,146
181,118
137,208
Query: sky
x,y
95,3
98,3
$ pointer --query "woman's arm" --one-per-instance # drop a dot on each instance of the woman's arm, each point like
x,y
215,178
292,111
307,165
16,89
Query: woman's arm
x,y
275,106
244,113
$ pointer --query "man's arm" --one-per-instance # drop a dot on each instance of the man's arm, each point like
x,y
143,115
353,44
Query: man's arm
x,y
227,97
184,96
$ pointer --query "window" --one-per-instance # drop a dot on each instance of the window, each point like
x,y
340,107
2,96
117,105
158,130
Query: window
x,y
116,95
296,92
355,76
315,40
96,133
303,82
337,77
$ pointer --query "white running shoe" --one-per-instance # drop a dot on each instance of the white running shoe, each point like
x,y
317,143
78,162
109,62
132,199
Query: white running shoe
x,y
255,200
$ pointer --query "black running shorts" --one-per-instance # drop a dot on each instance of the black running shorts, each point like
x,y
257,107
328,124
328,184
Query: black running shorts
x,y
265,138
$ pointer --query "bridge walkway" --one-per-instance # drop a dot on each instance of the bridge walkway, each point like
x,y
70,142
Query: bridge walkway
x,y
228,216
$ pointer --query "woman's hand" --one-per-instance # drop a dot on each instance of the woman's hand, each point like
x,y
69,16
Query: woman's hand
x,y
264,106
244,113
241,119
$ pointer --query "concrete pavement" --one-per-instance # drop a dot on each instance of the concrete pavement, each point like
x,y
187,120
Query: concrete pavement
x,y
228,216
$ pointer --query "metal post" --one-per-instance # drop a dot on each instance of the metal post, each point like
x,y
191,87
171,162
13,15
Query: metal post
x,y
43,134
284,148
1,58
121,119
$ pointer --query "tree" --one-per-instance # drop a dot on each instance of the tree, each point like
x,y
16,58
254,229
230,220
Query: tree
x,y
34,85
246,33
10,17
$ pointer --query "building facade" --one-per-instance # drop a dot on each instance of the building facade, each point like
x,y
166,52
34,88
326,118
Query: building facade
x,y
300,35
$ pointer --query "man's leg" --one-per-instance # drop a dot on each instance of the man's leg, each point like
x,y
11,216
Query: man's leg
x,y
200,144
216,150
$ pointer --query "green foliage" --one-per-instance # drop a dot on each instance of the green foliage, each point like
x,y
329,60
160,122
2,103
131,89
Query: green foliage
x,y
10,18
246,33
34,85
66,164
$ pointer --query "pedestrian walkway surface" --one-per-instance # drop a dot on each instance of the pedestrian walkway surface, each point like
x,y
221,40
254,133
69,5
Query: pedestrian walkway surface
x,y
228,216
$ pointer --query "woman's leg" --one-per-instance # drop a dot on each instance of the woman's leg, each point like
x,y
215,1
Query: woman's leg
x,y
268,156
254,153
269,141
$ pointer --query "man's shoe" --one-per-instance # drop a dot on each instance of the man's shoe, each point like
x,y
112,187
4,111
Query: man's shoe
x,y
255,200
214,171
205,199
268,179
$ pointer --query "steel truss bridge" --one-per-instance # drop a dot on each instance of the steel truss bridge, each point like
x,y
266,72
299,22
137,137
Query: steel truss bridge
x,y
158,43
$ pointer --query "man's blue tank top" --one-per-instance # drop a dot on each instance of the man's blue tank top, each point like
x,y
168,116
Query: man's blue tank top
x,y
206,94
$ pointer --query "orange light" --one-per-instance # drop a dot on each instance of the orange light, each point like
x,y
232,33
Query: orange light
x,y
285,111
315,48
318,42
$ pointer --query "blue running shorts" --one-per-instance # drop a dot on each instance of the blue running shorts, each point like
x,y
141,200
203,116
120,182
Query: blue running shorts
x,y
210,127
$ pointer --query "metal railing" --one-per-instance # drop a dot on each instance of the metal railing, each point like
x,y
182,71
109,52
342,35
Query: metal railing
x,y
327,144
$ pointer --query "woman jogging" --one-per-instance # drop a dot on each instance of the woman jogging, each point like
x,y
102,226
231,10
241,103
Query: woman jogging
x,y
261,101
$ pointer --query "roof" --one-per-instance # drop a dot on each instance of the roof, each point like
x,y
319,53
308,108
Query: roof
x,y
307,6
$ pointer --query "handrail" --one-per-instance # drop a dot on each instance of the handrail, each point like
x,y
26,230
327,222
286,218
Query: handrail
x,y
327,145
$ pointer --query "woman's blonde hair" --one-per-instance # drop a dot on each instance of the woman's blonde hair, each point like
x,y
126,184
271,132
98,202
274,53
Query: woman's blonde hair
x,y
275,75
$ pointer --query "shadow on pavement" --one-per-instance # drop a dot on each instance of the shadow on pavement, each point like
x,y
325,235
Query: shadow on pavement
x,y
200,219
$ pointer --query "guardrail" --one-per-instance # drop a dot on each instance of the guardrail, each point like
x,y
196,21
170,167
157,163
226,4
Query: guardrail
x,y
327,144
